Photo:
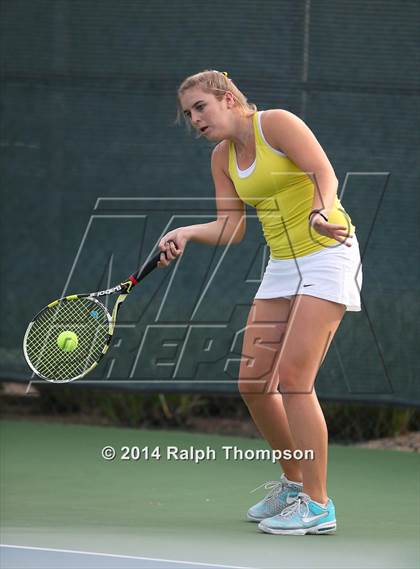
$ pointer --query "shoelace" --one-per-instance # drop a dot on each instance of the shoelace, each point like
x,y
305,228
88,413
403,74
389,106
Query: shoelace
x,y
295,507
274,487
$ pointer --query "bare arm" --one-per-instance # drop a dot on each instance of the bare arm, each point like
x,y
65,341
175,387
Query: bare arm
x,y
290,134
230,224
229,227
297,141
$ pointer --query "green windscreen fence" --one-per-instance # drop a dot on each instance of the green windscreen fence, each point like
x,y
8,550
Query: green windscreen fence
x,y
94,171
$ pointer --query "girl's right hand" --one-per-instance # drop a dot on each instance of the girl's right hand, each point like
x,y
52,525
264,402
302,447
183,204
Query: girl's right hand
x,y
172,245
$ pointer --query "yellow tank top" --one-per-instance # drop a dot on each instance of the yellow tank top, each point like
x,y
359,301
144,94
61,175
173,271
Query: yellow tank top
x,y
283,196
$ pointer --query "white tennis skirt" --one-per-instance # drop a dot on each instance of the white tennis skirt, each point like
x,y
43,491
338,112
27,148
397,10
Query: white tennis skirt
x,y
333,273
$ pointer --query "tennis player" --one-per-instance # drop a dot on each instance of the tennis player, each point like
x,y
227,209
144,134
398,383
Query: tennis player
x,y
272,161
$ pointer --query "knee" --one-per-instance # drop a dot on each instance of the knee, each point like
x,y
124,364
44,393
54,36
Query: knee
x,y
249,390
292,379
254,387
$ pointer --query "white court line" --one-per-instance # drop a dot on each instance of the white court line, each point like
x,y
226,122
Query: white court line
x,y
123,556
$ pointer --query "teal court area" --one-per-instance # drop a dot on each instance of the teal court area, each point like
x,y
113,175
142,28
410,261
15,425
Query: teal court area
x,y
63,505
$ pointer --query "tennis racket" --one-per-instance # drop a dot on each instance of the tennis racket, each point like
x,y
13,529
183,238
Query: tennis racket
x,y
67,339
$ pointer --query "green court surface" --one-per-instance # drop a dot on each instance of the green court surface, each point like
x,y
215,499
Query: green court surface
x,y
58,492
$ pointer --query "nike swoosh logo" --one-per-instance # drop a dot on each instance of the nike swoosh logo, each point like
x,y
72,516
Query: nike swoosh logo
x,y
309,285
313,518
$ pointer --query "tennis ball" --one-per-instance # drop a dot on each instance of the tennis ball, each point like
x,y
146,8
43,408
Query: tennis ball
x,y
67,341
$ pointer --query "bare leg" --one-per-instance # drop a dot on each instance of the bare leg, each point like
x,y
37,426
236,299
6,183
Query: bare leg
x,y
263,338
310,329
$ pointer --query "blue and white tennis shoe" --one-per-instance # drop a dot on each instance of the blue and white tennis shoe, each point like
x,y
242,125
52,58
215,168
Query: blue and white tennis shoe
x,y
301,517
281,493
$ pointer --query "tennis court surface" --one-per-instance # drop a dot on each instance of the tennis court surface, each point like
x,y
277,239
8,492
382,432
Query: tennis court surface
x,y
16,557
64,506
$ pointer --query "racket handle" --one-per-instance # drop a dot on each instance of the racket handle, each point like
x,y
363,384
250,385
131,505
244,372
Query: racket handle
x,y
146,269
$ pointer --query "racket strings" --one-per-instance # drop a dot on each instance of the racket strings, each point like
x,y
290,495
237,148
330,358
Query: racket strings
x,y
85,317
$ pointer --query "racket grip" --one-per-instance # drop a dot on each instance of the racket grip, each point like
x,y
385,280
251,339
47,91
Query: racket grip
x,y
146,269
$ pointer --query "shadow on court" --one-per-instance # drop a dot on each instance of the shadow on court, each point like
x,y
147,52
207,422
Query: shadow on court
x,y
59,496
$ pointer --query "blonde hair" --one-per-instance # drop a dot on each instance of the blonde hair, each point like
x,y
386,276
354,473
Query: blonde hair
x,y
217,83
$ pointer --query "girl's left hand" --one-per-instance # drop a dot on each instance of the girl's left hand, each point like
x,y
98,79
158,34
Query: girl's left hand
x,y
338,232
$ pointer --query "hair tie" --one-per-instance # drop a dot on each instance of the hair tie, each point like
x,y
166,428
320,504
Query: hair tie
x,y
225,73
